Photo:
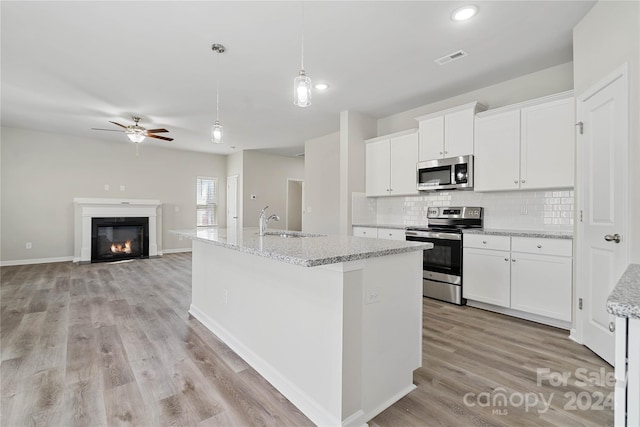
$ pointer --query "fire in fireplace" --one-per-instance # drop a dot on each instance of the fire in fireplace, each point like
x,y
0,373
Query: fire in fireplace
x,y
119,238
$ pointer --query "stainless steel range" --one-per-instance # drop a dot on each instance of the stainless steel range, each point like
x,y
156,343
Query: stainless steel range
x,y
442,265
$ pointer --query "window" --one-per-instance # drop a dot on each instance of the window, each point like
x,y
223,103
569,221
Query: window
x,y
206,207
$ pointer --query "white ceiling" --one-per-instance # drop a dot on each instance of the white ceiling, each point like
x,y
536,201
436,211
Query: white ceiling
x,y
71,66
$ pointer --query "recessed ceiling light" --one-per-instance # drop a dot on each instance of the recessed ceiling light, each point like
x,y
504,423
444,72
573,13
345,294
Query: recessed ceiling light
x,y
464,13
322,86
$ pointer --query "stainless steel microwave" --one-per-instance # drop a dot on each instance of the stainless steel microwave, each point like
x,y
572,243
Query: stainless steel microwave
x,y
454,173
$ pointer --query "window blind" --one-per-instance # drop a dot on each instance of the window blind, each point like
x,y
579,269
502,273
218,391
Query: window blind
x,y
206,198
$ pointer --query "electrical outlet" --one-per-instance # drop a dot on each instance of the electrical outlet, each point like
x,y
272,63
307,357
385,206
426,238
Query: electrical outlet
x,y
29,245
106,187
372,297
122,188
177,208
524,210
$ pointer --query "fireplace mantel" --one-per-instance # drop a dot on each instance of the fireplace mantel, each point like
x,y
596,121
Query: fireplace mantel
x,y
88,208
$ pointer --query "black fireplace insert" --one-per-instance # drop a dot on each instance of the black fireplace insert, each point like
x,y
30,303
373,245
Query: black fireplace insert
x,y
118,238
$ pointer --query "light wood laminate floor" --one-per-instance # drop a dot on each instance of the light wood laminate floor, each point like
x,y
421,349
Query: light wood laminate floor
x,y
112,344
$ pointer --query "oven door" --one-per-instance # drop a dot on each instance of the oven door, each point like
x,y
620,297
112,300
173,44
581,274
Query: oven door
x,y
443,263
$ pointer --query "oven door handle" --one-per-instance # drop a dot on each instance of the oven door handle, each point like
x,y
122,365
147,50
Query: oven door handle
x,y
434,235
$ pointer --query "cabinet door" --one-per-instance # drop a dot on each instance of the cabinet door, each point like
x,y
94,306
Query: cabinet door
x,y
548,145
458,133
431,139
391,234
486,276
377,168
541,284
404,156
365,232
497,152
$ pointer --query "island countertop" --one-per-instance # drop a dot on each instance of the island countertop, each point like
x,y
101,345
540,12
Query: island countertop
x,y
303,249
624,300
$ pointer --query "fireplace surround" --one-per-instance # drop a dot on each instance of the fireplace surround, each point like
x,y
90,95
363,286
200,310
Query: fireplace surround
x,y
114,210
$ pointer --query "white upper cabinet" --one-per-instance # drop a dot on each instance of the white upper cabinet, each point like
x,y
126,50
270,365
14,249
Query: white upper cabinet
x,y
526,146
497,152
391,164
447,133
548,144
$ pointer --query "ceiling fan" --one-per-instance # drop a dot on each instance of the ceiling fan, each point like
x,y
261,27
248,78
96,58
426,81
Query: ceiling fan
x,y
137,133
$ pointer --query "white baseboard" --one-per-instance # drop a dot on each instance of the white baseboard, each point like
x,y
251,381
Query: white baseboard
x,y
173,251
561,324
36,261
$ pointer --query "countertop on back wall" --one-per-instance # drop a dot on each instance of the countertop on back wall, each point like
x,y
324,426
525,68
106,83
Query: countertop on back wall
x,y
494,231
542,234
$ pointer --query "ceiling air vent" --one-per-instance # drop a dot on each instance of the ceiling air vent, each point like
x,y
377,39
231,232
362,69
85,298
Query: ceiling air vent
x,y
451,57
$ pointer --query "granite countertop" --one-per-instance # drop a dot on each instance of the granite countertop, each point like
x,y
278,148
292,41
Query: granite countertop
x,y
394,226
624,300
521,233
304,249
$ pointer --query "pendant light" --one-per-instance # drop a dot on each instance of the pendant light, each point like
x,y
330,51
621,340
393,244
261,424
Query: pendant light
x,y
302,83
216,129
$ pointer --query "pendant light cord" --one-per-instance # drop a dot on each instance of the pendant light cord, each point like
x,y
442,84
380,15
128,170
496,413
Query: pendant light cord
x,y
302,41
218,86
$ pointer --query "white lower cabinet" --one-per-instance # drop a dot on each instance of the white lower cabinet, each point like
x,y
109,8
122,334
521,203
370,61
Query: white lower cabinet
x,y
530,275
380,233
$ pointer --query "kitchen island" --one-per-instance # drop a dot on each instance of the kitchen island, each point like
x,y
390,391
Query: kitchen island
x,y
333,322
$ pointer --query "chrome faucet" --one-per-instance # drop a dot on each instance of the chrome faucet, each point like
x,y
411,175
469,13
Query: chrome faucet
x,y
263,221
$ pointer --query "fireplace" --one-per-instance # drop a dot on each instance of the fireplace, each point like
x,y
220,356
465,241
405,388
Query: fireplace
x,y
118,238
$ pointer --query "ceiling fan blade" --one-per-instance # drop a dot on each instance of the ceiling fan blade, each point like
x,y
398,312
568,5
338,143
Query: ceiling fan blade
x,y
156,130
118,124
108,130
160,137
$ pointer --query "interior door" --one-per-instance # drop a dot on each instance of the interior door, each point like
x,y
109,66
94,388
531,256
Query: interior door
x,y
232,201
603,147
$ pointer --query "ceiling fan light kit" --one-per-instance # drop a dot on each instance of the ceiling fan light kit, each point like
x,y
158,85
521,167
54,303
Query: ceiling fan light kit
x,y
137,133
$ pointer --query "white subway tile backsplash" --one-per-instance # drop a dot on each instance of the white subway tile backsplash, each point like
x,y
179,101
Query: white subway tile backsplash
x,y
545,210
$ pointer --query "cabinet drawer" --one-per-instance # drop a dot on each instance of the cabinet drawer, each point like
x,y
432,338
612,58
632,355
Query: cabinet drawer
x,y
391,234
365,232
486,241
559,247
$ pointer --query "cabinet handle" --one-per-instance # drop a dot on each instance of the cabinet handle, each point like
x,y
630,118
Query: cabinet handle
x,y
441,152
513,260
612,326
523,181
539,246
484,242
515,182
446,152
506,259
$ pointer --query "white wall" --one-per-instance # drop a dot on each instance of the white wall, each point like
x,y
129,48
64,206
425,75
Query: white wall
x,y
545,82
354,129
43,172
265,176
322,185
607,37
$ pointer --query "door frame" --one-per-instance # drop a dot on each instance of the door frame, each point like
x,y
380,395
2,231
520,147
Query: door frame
x,y
238,217
286,222
622,72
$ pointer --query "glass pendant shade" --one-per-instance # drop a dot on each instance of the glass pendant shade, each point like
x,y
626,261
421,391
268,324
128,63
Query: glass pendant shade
x,y
216,133
302,90
136,137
